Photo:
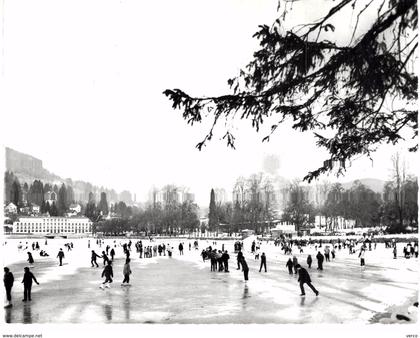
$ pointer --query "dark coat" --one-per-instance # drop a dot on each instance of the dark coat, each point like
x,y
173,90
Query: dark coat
x,y
289,263
60,254
263,258
225,257
108,271
28,277
94,255
320,257
304,276
8,279
244,265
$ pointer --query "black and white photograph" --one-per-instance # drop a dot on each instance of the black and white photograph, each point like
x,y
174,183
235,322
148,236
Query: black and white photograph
x,y
209,163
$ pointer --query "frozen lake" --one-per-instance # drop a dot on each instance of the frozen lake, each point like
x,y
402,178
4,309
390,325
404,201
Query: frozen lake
x,y
182,289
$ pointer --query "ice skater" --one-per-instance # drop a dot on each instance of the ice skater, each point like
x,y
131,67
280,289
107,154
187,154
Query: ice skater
x,y
263,262
93,259
27,284
295,264
105,257
245,268
181,249
60,256
309,261
225,259
126,272
289,265
305,278
362,256
8,280
239,259
30,258
320,259
112,253
108,274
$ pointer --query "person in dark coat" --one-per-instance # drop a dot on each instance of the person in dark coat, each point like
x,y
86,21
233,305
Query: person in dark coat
x,y
309,261
27,284
320,259
263,262
305,278
108,273
30,258
93,259
181,249
289,265
8,280
239,259
245,268
295,264
60,256
225,259
105,257
112,253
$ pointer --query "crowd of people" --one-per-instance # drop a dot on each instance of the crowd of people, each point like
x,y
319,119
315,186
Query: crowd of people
x,y
218,258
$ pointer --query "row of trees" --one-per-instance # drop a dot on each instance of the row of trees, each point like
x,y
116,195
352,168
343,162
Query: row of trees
x,y
163,219
257,203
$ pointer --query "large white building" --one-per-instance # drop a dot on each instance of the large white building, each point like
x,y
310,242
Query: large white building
x,y
52,225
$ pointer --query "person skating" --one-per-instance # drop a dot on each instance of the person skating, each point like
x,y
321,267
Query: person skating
x,y
362,256
93,259
309,261
30,258
225,259
245,268
295,264
305,278
60,256
320,259
239,259
108,274
289,265
112,253
126,272
327,254
263,262
394,251
181,249
8,281
105,257
27,284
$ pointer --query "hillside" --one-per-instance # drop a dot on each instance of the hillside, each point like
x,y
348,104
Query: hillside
x,y
28,168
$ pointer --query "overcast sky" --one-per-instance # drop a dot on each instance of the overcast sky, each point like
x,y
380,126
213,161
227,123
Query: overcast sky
x,y
83,91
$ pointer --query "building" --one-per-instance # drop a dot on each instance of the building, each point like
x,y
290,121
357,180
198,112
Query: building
x,y
11,208
35,208
283,228
50,197
170,194
75,208
52,225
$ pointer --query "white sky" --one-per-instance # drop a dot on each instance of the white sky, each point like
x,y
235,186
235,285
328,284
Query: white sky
x,y
83,84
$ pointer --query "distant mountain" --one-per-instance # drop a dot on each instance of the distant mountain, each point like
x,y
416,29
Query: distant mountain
x,y
374,184
28,168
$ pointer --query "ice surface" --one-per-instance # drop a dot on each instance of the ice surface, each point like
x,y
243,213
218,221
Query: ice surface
x,y
182,289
